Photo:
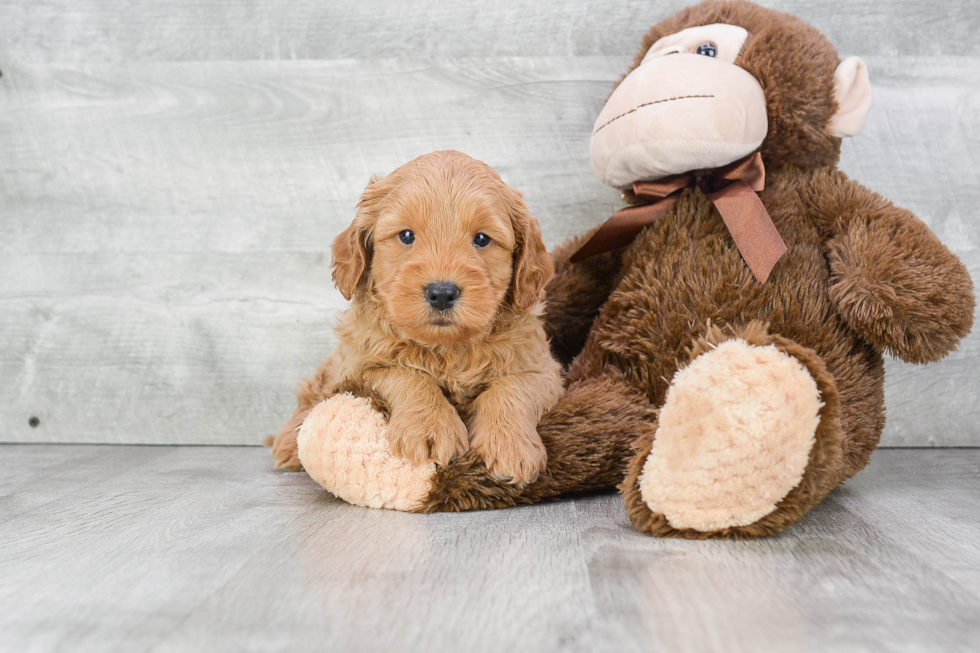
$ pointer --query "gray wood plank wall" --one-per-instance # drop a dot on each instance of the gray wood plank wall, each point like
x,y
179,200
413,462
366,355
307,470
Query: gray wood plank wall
x,y
172,174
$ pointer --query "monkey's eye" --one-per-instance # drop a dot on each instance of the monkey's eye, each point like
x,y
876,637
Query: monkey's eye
x,y
481,240
708,50
407,237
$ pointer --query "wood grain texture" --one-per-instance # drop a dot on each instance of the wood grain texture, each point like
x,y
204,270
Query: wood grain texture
x,y
165,258
208,549
164,246
189,30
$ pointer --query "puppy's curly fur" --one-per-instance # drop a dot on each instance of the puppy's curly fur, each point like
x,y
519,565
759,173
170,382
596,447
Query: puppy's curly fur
x,y
476,374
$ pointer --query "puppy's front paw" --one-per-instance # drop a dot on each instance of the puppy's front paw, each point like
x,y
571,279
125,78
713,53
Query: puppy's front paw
x,y
512,451
421,436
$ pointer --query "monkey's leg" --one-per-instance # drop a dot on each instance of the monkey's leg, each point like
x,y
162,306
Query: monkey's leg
x,y
588,435
747,442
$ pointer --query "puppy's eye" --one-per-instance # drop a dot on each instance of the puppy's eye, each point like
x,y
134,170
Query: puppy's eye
x,y
708,50
407,237
481,240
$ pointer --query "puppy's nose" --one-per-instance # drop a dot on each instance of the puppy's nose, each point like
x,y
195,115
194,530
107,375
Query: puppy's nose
x,y
441,295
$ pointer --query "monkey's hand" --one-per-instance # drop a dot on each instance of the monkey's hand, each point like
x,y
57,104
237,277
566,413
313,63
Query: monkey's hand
x,y
894,282
575,295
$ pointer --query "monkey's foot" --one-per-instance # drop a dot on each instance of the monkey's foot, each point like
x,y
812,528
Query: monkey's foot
x,y
746,442
343,445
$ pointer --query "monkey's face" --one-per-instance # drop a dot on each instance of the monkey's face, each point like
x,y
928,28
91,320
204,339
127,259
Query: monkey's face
x,y
721,80
687,106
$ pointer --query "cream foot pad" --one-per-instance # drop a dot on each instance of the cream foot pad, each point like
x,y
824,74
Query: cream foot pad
x,y
734,437
343,445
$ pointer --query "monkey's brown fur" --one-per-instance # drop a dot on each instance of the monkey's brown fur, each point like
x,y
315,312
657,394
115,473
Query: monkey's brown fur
x,y
861,277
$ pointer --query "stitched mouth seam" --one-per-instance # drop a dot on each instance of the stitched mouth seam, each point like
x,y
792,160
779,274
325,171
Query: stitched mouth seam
x,y
646,104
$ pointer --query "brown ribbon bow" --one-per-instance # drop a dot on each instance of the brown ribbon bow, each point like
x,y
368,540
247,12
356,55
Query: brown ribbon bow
x,y
732,189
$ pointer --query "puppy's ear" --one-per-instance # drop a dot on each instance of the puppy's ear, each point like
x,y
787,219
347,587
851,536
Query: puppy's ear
x,y
533,268
352,248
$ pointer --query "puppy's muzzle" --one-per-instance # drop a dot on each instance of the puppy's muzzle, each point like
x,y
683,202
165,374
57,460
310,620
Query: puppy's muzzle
x,y
441,295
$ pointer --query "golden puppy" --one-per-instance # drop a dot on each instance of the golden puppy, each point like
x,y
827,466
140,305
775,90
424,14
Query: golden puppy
x,y
446,269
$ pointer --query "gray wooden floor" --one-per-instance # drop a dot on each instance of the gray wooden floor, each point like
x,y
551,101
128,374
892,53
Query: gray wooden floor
x,y
129,548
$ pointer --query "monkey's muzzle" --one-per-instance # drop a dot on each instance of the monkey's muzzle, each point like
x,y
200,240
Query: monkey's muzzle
x,y
674,114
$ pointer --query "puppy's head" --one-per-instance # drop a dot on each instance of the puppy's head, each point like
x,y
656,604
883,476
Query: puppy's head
x,y
445,245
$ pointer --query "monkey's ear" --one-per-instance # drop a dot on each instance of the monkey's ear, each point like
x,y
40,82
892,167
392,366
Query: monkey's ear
x,y
352,248
852,90
533,268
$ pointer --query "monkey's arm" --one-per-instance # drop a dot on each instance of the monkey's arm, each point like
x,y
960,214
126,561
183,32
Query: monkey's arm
x,y
575,295
892,279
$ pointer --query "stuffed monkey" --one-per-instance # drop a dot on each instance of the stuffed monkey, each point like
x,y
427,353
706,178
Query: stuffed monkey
x,y
723,335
